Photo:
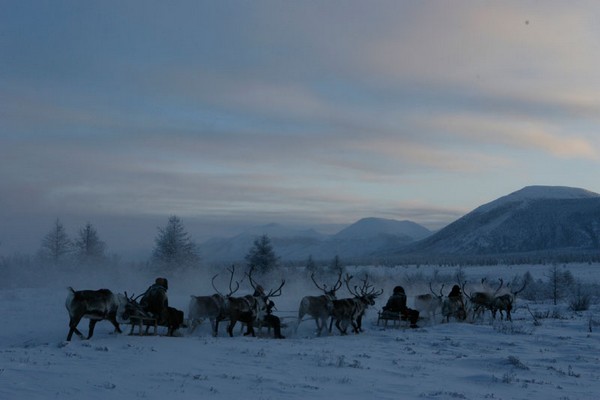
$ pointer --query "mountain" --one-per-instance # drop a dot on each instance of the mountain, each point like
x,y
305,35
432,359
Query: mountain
x,y
355,242
533,219
372,227
285,241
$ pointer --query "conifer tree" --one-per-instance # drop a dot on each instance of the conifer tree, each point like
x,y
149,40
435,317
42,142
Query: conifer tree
x,y
261,255
89,249
174,249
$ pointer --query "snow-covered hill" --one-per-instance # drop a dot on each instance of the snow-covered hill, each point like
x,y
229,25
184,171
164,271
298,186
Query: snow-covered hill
x,y
536,218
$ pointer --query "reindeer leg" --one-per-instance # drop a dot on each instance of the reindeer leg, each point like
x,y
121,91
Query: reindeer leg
x,y
338,325
215,327
73,328
321,324
113,320
93,323
230,327
359,324
250,330
355,327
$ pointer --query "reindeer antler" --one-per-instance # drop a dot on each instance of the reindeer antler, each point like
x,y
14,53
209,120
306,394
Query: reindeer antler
x,y
232,271
276,292
338,284
462,285
324,288
520,290
252,282
212,282
369,290
500,286
272,293
347,280
441,291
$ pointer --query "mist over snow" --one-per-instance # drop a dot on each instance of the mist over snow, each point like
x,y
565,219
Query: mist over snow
x,y
547,352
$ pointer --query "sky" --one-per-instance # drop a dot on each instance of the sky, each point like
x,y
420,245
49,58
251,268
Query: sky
x,y
232,114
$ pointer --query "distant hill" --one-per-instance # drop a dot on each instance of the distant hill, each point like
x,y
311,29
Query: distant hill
x,y
357,241
533,219
372,227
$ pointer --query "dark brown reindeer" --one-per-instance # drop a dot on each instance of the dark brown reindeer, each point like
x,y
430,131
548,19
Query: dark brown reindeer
x,y
213,307
505,303
95,305
351,310
482,300
246,309
364,297
319,307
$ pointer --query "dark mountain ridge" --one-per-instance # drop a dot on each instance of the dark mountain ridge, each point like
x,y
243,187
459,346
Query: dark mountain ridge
x,y
534,219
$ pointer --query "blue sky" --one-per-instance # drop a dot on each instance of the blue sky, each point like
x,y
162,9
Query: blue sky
x,y
238,113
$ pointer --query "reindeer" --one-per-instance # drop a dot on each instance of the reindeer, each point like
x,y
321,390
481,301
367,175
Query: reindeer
x,y
95,305
132,311
212,307
429,303
363,300
246,309
319,307
482,301
505,303
352,310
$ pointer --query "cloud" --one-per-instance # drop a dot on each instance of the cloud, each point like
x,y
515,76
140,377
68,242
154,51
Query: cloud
x,y
517,134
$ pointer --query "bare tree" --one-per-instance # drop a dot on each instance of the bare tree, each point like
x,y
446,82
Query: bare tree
x,y
560,281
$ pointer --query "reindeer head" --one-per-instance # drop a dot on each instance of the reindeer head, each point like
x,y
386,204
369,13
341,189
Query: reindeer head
x,y
258,289
366,292
438,296
128,306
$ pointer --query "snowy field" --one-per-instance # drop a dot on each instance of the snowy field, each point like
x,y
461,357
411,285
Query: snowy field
x,y
556,358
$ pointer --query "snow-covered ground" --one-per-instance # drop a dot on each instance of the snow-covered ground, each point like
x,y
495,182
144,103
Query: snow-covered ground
x,y
558,358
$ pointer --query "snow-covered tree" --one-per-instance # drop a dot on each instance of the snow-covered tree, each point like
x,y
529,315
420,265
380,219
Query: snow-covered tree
x,y
261,256
56,245
174,249
89,249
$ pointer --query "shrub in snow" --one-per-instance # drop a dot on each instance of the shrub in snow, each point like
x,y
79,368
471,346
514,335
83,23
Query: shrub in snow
x,y
581,299
510,328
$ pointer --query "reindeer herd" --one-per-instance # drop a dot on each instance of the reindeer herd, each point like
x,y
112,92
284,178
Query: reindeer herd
x,y
251,310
